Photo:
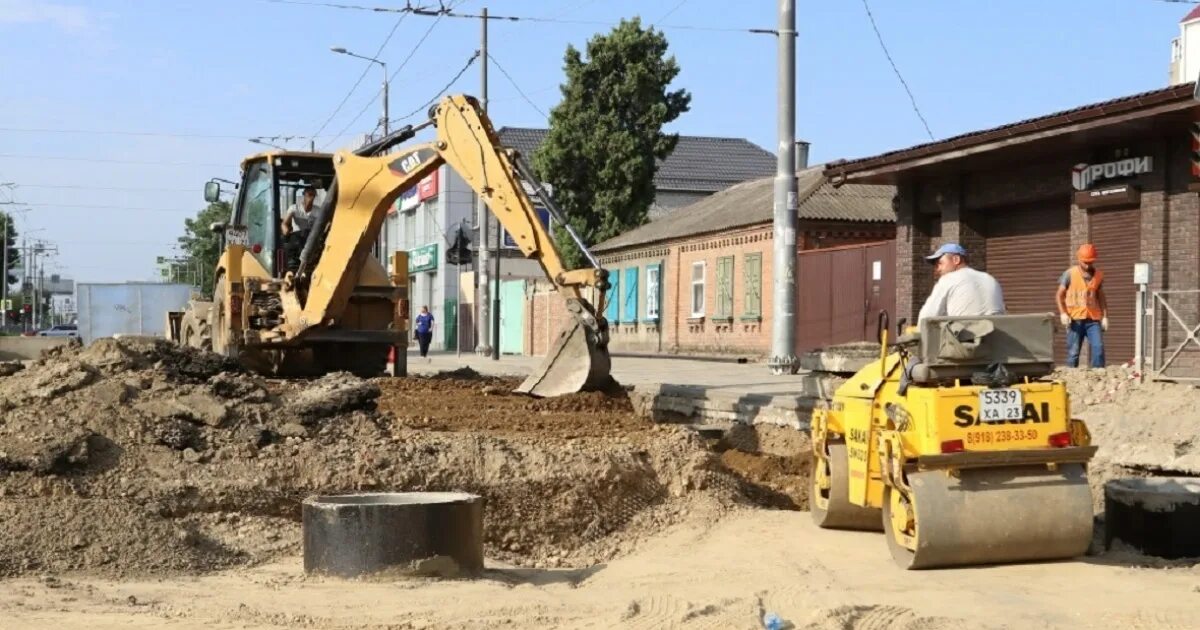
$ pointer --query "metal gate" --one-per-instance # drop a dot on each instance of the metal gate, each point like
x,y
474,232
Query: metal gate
x,y
1174,325
841,291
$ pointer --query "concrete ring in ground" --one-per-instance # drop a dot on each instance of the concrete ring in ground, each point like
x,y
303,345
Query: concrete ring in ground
x,y
1158,516
405,533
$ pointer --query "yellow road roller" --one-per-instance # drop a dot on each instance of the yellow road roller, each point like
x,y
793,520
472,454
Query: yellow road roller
x,y
958,446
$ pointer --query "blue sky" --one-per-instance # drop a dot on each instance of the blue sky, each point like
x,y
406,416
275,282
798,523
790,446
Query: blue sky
x,y
241,68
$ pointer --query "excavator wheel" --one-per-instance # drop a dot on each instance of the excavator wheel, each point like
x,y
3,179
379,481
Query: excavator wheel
x,y
988,516
194,332
829,500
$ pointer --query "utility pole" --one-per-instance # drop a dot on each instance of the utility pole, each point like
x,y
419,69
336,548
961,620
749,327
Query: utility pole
x,y
4,274
483,342
783,323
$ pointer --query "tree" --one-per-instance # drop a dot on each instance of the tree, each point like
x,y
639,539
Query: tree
x,y
201,248
606,138
9,240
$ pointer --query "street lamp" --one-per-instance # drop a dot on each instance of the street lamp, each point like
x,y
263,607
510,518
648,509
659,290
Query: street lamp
x,y
383,121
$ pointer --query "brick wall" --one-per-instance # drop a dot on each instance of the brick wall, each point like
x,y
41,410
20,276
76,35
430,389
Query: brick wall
x,y
707,333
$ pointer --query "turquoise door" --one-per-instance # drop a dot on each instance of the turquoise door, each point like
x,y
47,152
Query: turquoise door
x,y
512,317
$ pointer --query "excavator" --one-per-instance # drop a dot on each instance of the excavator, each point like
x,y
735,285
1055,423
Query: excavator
x,y
336,307
958,446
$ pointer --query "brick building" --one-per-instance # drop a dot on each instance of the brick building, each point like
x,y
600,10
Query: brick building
x,y
1022,197
699,279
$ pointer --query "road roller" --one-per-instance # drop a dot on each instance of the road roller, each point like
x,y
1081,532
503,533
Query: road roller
x,y
958,446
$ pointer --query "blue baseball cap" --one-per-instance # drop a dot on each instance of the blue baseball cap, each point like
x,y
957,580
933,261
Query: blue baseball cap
x,y
948,248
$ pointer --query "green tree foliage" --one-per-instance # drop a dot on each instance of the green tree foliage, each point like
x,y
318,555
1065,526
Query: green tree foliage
x,y
9,230
201,248
605,137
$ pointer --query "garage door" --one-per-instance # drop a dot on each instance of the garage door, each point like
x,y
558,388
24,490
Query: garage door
x,y
1028,248
1116,235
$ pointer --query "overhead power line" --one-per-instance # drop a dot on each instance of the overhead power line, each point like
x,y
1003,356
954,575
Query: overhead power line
x,y
904,83
510,18
107,161
81,206
153,134
361,77
433,100
379,92
517,87
114,188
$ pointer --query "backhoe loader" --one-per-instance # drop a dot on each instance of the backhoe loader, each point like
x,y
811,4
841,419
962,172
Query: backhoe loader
x,y
957,446
334,307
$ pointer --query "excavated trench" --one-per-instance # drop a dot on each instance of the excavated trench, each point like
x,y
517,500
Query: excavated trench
x,y
151,459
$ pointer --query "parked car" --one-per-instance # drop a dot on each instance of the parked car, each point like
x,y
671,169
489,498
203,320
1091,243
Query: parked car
x,y
61,330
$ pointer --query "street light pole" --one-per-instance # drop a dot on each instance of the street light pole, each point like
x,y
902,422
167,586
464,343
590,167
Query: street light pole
x,y
384,121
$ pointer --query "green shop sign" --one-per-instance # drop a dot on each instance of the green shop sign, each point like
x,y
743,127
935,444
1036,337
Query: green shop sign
x,y
423,258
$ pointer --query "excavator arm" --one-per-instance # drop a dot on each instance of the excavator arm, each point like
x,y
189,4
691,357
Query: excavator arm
x,y
366,186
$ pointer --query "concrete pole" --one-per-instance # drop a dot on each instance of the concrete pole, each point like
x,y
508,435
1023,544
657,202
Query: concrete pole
x,y
385,121
783,308
4,274
483,304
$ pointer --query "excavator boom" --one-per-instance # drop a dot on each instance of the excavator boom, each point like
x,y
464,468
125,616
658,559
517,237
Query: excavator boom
x,y
366,186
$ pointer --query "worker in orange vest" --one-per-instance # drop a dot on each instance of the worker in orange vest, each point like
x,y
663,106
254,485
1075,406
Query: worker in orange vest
x,y
1082,307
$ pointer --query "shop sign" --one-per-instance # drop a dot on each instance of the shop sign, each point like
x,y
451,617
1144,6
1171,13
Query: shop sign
x,y
1084,175
428,187
1122,195
423,258
409,199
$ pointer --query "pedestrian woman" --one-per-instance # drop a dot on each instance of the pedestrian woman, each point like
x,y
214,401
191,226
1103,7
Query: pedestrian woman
x,y
424,331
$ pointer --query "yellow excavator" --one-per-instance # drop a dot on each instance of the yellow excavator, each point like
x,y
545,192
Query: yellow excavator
x,y
334,306
957,446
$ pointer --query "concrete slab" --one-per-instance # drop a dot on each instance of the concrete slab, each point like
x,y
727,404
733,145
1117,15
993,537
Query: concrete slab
x,y
842,359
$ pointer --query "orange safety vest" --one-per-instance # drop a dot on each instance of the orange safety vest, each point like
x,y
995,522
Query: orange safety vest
x,y
1082,299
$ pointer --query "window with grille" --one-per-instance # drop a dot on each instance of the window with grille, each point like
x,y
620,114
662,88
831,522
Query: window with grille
x,y
698,289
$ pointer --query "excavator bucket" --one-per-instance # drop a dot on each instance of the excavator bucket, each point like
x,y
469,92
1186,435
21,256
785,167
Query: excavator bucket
x,y
578,361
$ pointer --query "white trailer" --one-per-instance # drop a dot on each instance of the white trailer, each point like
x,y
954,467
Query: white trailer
x,y
127,308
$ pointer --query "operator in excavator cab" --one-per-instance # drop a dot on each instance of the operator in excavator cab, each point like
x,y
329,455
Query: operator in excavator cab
x,y
296,224
961,290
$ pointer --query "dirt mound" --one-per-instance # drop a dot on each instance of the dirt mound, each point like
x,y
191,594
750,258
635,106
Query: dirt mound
x,y
109,536
173,461
1147,425
490,406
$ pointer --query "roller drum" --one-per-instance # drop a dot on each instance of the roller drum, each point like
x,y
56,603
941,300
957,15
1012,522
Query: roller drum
x,y
836,511
995,515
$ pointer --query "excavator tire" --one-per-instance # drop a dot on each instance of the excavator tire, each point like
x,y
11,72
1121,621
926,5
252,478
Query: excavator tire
x,y
831,507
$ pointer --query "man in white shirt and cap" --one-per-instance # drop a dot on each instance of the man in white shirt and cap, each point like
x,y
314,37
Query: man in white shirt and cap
x,y
960,289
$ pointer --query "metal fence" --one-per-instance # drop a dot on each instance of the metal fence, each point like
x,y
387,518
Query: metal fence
x,y
1174,322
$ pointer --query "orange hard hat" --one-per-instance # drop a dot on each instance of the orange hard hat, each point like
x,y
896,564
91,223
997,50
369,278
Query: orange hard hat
x,y
1086,253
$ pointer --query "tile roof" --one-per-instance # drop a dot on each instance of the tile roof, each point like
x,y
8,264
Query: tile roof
x,y
698,163
752,202
1192,15
1180,95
